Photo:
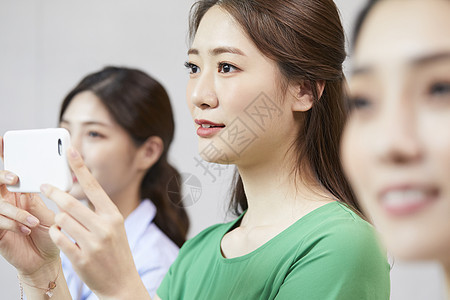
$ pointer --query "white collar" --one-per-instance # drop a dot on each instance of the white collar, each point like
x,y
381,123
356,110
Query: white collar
x,y
138,221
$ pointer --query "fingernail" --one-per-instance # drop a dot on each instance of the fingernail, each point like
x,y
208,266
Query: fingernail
x,y
25,230
45,188
73,153
32,221
10,177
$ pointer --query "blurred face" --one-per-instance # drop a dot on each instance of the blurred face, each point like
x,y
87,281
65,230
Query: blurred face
x,y
106,148
234,96
396,145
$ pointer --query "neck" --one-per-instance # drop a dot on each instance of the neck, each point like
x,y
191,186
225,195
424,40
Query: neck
x,y
126,203
126,199
275,195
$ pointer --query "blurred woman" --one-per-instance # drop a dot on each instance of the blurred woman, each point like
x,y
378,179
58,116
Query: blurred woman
x,y
121,122
396,145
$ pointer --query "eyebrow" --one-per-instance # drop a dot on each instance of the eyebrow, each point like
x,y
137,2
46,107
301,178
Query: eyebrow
x,y
86,123
219,50
427,59
415,62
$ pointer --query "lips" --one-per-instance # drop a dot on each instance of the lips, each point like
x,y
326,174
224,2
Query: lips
x,y
407,200
208,128
74,178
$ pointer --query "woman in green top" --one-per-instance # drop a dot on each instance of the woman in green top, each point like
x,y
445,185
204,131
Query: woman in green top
x,y
266,94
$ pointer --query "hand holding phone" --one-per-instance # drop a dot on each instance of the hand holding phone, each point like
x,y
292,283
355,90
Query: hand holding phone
x,y
37,156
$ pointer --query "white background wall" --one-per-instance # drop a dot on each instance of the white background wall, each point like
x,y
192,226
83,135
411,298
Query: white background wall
x,y
47,46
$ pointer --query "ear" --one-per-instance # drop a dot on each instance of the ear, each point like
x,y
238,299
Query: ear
x,y
303,95
149,152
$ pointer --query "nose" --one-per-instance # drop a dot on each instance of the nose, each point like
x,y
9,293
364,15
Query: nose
x,y
399,141
201,91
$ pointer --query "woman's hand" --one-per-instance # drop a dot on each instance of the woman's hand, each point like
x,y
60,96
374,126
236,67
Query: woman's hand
x,y
97,244
24,220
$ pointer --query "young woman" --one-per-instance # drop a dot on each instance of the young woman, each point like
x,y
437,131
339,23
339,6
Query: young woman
x,y
121,122
396,146
266,94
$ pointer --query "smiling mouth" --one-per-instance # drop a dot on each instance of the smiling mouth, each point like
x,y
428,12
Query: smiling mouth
x,y
406,201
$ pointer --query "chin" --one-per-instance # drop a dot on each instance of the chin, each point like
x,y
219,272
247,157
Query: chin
x,y
217,152
415,249
224,160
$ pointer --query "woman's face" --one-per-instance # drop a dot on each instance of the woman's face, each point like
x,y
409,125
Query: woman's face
x,y
106,148
396,145
234,95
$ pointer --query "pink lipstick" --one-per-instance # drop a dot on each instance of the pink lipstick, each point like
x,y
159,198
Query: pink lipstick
x,y
208,128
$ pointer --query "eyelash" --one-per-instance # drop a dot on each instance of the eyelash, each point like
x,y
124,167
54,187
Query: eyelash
x,y
190,66
357,103
440,89
220,66
94,134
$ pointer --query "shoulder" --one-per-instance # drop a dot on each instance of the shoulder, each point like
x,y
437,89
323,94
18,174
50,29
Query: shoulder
x,y
343,241
339,257
339,229
342,227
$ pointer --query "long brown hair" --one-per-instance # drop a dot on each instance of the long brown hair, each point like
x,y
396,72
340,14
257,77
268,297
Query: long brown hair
x,y
306,39
141,106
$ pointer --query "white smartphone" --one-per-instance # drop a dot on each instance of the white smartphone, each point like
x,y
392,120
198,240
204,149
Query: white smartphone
x,y
37,156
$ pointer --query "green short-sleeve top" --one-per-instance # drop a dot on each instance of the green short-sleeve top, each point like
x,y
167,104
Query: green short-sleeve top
x,y
331,253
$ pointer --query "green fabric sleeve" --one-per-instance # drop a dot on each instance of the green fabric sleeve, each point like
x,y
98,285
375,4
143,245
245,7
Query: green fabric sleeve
x,y
343,264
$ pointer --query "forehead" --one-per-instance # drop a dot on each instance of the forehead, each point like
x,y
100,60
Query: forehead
x,y
397,31
218,28
86,106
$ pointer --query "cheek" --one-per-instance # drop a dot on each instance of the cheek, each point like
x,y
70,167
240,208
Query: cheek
x,y
245,92
437,143
99,160
189,90
233,97
351,153
355,159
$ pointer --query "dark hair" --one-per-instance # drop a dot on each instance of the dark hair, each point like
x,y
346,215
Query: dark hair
x,y
361,18
306,39
141,106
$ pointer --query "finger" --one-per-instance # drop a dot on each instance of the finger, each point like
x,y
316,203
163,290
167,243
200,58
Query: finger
x,y
11,225
72,206
17,214
35,206
70,249
7,177
75,230
90,185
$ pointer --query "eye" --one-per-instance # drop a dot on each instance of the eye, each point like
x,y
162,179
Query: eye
x,y
193,69
226,68
358,103
440,89
94,134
